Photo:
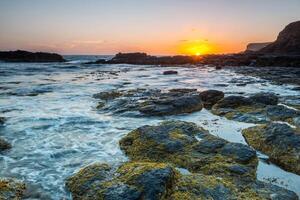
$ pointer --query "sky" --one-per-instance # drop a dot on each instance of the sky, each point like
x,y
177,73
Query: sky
x,y
158,27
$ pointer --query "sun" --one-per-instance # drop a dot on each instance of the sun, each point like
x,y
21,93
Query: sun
x,y
195,48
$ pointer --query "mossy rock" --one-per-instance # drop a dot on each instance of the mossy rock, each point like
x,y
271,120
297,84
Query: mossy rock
x,y
131,181
186,145
11,189
161,181
82,181
279,141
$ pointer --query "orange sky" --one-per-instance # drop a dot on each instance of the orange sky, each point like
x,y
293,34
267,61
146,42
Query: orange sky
x,y
151,26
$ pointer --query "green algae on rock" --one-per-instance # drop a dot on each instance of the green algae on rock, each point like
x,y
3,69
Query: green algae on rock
x,y
161,181
258,108
279,141
186,145
11,189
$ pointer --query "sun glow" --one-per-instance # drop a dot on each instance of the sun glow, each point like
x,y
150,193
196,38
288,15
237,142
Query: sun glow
x,y
195,47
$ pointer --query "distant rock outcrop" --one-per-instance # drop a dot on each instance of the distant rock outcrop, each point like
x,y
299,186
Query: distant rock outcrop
x,y
254,47
25,56
288,41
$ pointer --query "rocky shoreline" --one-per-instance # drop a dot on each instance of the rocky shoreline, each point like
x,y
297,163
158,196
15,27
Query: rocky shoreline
x,y
26,56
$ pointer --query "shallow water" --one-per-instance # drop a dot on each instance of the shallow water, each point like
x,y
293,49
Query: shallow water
x,y
55,129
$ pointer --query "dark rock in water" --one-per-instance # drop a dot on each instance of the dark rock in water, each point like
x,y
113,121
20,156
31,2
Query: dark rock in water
x,y
288,41
4,145
281,112
170,104
11,189
211,97
177,142
144,59
107,95
279,141
264,98
161,181
152,101
2,120
233,102
170,72
25,56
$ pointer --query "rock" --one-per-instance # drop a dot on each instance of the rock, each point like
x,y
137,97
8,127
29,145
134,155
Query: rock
x,y
171,104
151,102
211,97
264,98
86,178
161,181
4,145
107,95
170,72
2,120
132,181
279,141
287,42
25,56
177,142
233,102
11,189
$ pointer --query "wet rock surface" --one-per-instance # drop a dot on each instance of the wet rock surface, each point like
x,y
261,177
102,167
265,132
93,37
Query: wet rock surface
x,y
258,108
152,102
189,146
279,141
170,72
11,189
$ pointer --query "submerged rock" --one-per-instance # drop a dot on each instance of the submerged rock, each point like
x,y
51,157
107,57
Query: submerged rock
x,y
2,120
188,146
152,102
170,72
131,181
4,145
279,141
11,189
211,97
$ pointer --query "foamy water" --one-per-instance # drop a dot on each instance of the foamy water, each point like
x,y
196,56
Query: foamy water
x,y
59,131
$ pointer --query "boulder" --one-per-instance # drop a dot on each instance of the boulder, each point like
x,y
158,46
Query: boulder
x,y
25,56
152,102
2,120
277,140
186,145
4,145
11,189
287,42
131,181
211,97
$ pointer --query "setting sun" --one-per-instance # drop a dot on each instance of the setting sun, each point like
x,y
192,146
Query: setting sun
x,y
196,47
